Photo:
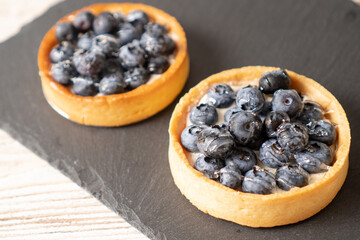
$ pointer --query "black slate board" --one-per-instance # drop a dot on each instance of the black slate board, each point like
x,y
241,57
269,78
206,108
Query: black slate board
x,y
127,168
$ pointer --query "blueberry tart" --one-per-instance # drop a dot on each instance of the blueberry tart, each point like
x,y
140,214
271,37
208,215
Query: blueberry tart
x,y
113,64
259,146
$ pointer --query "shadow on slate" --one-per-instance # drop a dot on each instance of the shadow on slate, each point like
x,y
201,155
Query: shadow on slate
x,y
127,168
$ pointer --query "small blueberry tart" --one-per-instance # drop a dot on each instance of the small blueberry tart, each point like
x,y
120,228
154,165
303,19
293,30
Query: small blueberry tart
x,y
259,146
113,64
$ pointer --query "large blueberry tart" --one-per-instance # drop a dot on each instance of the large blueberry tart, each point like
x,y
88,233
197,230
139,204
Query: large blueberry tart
x,y
113,64
259,146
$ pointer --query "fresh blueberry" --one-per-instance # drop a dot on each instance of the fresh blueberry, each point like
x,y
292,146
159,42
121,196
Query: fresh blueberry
x,y
128,33
245,127
112,65
85,40
250,98
88,62
84,86
158,65
243,157
323,131
215,142
272,155
221,95
152,45
105,22
231,112
230,176
169,45
312,112
106,44
136,77
65,31
258,180
119,17
138,18
290,176
287,101
189,137
204,114
132,55
292,137
155,30
256,143
83,21
208,166
61,52
272,81
62,72
265,111
112,84
315,157
273,120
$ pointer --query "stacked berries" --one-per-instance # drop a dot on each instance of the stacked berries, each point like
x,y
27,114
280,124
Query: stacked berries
x,y
109,53
290,134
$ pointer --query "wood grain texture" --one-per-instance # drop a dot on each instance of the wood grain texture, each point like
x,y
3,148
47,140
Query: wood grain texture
x,y
38,202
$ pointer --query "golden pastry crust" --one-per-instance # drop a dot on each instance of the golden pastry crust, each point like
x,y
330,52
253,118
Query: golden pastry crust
x,y
256,210
124,108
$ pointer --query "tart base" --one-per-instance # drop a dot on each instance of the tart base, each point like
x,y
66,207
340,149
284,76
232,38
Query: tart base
x,y
248,209
117,109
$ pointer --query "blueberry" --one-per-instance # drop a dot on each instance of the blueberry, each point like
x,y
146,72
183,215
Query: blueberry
x,y
65,31
221,95
323,131
88,62
287,101
315,157
85,41
203,114
245,127
132,55
259,181
152,45
128,33
169,45
83,21
136,77
265,111
119,18
273,120
106,44
215,142
105,22
138,18
155,30
158,65
230,176
311,113
61,52
208,166
293,137
250,98
62,72
189,137
256,143
231,112
84,86
112,65
290,176
272,81
244,158
112,84
272,155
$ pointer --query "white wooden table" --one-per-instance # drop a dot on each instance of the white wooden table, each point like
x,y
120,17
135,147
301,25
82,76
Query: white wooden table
x,y
37,201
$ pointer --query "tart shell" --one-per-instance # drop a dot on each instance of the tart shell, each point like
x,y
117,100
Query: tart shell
x,y
124,108
249,209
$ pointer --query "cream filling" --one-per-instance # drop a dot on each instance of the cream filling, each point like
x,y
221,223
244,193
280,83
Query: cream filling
x,y
221,113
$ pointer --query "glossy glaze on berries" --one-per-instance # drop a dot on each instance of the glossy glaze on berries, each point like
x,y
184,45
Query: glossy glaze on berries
x,y
109,46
